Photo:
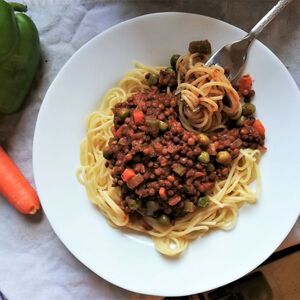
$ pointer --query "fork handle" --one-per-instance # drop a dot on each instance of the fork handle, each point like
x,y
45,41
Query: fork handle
x,y
256,30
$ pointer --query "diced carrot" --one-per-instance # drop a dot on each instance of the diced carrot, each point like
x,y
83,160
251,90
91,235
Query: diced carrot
x,y
127,174
245,83
138,116
171,178
158,146
15,188
173,201
199,174
119,132
163,193
259,127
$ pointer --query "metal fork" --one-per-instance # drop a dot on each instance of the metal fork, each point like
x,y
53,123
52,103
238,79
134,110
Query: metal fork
x,y
233,56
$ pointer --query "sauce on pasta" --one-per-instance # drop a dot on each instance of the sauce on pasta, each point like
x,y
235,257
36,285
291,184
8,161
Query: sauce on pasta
x,y
171,151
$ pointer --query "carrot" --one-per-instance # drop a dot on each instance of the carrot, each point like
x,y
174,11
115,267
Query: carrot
x,y
15,188
173,201
127,174
138,116
163,193
259,127
245,83
119,132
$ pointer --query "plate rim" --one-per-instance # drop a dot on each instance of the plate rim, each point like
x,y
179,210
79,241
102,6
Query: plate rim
x,y
36,134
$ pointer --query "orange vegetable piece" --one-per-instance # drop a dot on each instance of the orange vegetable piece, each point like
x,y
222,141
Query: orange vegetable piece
x,y
119,132
15,188
138,116
163,193
127,174
259,127
174,200
245,83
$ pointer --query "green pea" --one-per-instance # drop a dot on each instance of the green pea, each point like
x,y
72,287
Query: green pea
x,y
163,126
189,206
170,71
203,201
203,139
223,157
134,204
123,113
204,157
180,170
248,109
152,206
152,79
173,60
164,220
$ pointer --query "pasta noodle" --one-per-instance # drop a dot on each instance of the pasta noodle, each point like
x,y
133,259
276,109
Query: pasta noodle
x,y
203,86
203,91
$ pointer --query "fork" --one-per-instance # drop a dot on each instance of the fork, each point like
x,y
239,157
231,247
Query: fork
x,y
233,56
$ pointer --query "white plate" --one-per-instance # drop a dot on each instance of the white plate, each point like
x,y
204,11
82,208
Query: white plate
x,y
129,260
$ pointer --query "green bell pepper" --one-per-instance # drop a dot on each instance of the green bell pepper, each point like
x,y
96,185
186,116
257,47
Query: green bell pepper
x,y
19,55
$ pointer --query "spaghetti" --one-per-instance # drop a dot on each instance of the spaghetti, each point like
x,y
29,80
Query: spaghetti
x,y
202,86
208,98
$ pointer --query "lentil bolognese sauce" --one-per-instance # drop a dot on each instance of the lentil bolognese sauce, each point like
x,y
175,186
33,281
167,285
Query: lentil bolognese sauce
x,y
171,151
